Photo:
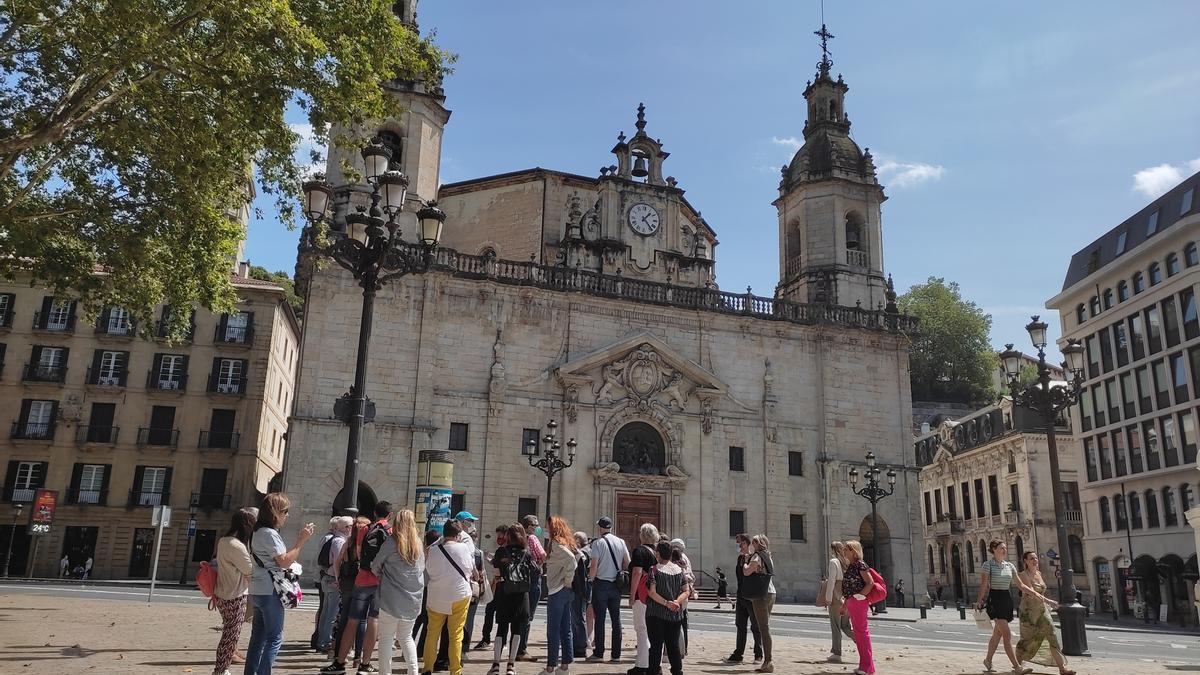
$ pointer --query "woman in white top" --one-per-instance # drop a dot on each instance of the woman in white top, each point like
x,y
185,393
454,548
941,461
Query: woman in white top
x,y
839,623
448,594
234,568
995,579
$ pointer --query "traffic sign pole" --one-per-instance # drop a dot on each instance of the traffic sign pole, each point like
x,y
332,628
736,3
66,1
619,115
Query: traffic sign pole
x,y
160,517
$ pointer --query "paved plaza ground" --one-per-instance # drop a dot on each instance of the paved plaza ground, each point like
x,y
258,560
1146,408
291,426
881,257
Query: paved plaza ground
x,y
44,634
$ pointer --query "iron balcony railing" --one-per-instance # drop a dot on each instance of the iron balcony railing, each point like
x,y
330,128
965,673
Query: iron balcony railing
x,y
220,439
158,381
45,372
6,318
103,378
224,385
32,431
148,498
234,335
573,279
109,329
42,322
97,434
84,497
158,437
210,501
19,495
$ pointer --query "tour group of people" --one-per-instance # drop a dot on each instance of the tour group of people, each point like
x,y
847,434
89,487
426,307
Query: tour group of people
x,y
385,583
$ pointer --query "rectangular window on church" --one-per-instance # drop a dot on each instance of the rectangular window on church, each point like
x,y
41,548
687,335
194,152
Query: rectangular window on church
x,y
795,463
797,527
737,458
526,506
737,523
530,437
458,436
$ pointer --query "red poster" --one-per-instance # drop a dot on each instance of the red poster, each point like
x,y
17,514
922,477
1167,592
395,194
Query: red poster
x,y
41,517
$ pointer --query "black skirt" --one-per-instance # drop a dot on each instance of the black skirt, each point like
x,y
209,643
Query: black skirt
x,y
512,608
1000,605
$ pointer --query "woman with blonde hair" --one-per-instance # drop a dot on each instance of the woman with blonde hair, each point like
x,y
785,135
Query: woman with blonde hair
x,y
856,584
400,567
560,572
761,565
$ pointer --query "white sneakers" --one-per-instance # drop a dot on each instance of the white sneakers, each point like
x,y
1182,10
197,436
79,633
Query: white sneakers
x,y
834,658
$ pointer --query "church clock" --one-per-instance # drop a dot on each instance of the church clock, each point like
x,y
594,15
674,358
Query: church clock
x,y
643,219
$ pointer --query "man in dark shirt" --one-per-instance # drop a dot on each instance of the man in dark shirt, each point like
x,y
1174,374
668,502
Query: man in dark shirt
x,y
742,606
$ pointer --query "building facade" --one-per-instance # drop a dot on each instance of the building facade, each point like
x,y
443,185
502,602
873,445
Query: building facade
x,y
985,477
118,421
593,301
1130,297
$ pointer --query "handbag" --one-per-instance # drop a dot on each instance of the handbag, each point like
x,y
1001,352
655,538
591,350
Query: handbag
x,y
822,593
758,584
878,587
284,582
981,619
622,580
476,589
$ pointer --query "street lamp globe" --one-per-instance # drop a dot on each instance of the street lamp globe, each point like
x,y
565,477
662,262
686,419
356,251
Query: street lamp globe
x,y
571,445
317,192
431,219
1037,332
376,158
1074,355
530,449
871,460
393,185
891,476
1011,359
853,477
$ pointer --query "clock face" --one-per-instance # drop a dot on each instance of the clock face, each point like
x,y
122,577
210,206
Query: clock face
x,y
643,219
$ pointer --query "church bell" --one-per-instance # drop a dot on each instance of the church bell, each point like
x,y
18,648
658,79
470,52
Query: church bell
x,y
639,167
852,240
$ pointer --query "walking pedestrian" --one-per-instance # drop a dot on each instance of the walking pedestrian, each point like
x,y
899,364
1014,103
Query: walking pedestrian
x,y
581,596
1037,629
534,546
899,590
761,568
856,584
234,570
722,588
269,553
489,611
668,591
831,598
64,566
743,608
513,566
641,562
448,565
87,567
364,599
331,595
400,567
560,574
610,556
996,578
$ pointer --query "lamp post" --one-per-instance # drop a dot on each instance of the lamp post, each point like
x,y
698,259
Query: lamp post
x,y
874,492
549,462
12,536
1048,402
380,256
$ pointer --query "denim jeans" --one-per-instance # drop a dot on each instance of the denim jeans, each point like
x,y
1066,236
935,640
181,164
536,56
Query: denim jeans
x,y
559,634
266,634
535,594
330,603
606,598
579,603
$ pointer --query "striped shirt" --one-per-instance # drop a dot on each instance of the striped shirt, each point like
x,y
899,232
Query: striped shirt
x,y
1000,574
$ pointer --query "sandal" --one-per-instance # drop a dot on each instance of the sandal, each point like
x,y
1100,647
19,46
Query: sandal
x,y
495,669
511,670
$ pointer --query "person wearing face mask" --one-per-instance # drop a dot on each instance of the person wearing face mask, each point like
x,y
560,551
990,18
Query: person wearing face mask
x,y
533,531
466,521
743,607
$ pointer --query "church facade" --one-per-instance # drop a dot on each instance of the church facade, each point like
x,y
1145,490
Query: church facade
x,y
593,301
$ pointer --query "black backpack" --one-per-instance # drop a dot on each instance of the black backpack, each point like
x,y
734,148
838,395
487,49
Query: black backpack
x,y
372,544
323,560
514,578
581,584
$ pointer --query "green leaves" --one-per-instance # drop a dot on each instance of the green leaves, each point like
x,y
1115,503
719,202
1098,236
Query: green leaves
x,y
952,358
128,131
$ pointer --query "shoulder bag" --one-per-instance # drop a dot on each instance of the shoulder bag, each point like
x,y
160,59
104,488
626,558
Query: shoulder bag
x,y
622,580
286,583
756,585
822,593
476,588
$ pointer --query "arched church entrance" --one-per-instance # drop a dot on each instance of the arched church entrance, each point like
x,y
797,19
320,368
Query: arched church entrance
x,y
366,500
956,565
877,547
638,448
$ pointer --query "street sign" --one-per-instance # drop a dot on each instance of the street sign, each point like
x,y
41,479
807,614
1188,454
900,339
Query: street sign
x,y
1052,554
191,528
41,516
163,513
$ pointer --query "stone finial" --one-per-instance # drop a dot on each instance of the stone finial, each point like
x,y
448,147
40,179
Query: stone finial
x,y
641,117
621,137
890,294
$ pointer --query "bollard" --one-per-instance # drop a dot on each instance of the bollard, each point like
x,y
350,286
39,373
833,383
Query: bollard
x,y
962,612
923,611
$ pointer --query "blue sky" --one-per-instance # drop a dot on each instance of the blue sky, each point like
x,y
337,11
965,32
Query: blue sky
x,y
1009,135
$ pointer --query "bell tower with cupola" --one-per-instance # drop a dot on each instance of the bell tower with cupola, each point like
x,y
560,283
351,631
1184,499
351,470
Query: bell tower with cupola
x,y
414,139
830,237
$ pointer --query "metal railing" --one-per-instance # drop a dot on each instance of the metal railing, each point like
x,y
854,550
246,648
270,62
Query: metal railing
x,y
157,381
88,497
32,431
148,498
97,434
119,330
21,495
234,335
210,501
220,439
99,378
6,318
219,385
45,372
42,322
160,437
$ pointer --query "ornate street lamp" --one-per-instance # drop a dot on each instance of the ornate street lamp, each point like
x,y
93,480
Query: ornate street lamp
x,y
1049,402
549,462
873,492
379,257
12,536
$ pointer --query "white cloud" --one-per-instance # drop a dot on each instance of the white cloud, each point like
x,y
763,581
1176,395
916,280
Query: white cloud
x,y
908,174
305,147
1156,180
791,142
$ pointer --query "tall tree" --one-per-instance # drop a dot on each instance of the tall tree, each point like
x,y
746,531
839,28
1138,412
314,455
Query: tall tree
x,y
952,358
128,130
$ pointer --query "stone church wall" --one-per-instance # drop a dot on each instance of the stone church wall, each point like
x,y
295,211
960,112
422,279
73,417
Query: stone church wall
x,y
502,358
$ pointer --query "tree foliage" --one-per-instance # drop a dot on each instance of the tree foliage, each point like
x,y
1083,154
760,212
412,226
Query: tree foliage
x,y
128,130
952,358
282,279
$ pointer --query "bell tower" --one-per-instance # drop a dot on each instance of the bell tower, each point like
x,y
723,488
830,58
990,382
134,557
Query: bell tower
x,y
414,138
830,237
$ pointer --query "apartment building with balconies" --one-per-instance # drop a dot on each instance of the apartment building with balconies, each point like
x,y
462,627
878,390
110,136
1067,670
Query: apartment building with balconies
x,y
1130,298
986,476
119,420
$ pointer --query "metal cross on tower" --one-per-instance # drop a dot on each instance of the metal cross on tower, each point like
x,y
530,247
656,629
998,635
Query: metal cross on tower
x,y
826,62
